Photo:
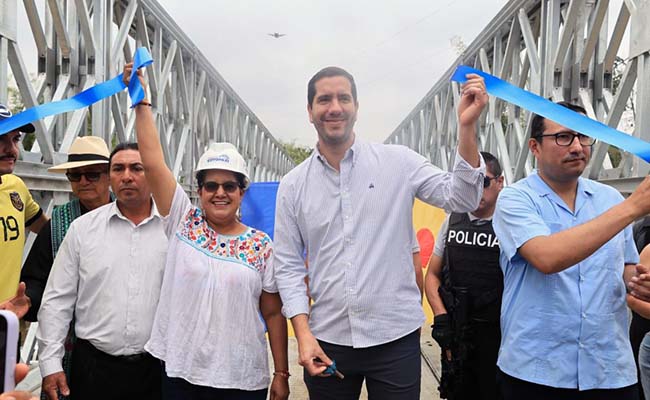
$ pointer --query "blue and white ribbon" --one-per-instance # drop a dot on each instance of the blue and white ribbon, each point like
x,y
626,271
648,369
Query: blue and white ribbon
x,y
142,58
559,114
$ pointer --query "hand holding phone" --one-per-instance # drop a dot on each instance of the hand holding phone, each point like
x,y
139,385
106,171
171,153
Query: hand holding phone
x,y
8,348
21,373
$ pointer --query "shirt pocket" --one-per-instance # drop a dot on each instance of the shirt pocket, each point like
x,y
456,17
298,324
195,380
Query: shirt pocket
x,y
606,266
611,255
555,335
96,269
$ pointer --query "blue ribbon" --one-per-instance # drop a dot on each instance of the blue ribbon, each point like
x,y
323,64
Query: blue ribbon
x,y
331,369
561,115
142,58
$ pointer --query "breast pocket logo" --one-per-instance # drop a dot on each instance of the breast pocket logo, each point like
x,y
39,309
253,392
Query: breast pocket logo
x,y
16,201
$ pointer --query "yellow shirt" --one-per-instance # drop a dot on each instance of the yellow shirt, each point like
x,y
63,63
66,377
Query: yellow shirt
x,y
17,211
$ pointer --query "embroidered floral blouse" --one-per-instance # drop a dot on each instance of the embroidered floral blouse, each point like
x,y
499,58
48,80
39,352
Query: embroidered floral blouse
x,y
208,328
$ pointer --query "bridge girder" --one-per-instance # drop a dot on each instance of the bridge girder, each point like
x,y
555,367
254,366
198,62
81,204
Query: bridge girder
x,y
559,49
80,43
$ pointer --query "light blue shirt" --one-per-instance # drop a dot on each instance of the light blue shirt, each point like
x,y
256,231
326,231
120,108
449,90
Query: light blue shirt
x,y
569,329
356,226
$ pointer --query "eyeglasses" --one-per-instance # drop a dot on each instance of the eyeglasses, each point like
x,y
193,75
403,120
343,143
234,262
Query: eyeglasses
x,y
566,138
487,179
91,176
228,187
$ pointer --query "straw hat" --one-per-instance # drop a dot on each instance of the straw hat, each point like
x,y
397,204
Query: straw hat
x,y
86,150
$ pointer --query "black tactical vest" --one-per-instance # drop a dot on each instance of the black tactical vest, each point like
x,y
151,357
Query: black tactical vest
x,y
471,261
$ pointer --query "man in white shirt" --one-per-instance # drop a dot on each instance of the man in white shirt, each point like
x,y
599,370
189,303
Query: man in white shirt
x,y
107,274
349,207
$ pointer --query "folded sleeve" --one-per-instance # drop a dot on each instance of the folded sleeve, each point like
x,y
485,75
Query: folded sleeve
x,y
457,191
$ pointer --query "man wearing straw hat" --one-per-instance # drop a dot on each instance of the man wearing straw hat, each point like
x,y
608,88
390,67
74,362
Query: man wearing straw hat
x,y
87,171
18,211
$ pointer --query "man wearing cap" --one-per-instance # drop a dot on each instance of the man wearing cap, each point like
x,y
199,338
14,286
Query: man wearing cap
x,y
107,273
87,171
18,211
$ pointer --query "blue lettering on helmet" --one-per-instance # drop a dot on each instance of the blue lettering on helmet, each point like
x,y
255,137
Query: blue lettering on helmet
x,y
221,157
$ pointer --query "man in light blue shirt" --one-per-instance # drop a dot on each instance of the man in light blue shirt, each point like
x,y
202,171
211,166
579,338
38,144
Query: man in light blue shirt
x,y
566,253
349,206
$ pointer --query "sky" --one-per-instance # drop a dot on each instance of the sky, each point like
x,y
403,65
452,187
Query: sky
x,y
396,51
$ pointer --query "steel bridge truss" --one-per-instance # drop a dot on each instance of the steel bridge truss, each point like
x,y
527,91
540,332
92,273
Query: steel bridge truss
x,y
559,49
80,43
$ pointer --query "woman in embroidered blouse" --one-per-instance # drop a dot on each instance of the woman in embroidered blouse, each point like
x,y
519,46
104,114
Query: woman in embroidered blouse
x,y
218,280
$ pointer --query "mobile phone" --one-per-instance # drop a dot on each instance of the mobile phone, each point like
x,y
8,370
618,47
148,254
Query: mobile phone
x,y
8,348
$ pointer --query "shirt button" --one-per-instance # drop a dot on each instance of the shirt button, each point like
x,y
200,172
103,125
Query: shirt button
x,y
581,345
582,278
584,315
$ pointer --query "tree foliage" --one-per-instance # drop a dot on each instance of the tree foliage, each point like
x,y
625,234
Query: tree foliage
x,y
297,153
458,44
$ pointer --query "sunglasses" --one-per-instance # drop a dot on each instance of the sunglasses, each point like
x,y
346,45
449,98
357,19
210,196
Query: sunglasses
x,y
92,176
487,179
228,187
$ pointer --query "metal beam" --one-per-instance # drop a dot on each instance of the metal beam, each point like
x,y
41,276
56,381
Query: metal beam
x,y
558,49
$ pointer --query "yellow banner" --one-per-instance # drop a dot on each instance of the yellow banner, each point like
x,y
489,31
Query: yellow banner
x,y
427,221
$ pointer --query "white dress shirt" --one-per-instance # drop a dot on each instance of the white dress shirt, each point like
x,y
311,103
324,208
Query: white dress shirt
x,y
108,272
356,227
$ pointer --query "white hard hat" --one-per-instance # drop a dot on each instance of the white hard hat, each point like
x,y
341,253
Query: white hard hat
x,y
226,157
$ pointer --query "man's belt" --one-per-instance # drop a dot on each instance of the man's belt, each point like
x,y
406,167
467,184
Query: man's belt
x,y
131,358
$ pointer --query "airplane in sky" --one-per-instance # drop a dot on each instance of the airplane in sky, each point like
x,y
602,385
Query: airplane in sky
x,y
277,35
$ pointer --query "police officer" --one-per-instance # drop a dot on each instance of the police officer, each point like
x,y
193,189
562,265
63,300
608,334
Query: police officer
x,y
463,285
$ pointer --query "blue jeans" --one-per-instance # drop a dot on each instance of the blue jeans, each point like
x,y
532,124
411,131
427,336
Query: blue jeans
x,y
644,365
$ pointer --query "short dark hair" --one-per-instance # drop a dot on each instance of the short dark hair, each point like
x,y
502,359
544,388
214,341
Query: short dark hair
x,y
537,126
492,163
329,72
200,178
120,147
